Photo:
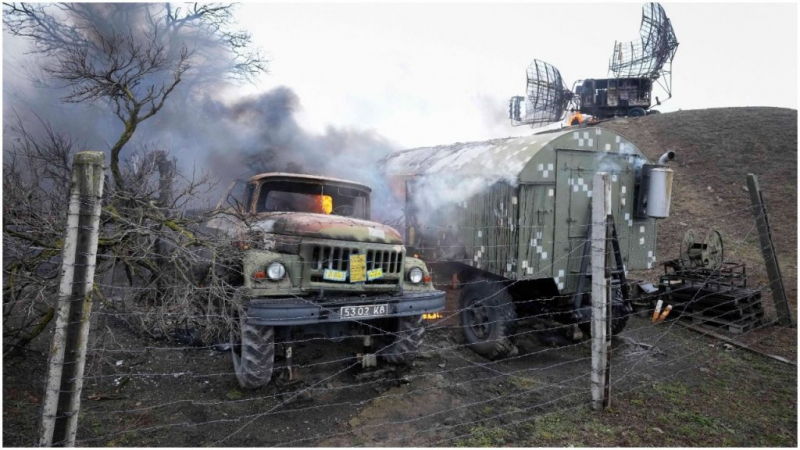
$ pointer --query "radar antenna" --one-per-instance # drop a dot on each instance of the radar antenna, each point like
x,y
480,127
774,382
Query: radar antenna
x,y
651,55
636,67
546,100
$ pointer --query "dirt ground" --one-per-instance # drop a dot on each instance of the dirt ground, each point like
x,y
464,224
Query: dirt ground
x,y
715,150
687,390
670,386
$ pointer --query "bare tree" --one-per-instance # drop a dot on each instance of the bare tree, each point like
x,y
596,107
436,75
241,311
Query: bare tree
x,y
130,56
36,176
175,277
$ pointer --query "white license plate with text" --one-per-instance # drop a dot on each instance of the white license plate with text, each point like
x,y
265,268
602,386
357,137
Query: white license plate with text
x,y
363,311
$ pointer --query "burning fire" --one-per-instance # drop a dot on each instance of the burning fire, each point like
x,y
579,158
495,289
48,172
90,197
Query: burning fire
x,y
576,119
431,316
325,203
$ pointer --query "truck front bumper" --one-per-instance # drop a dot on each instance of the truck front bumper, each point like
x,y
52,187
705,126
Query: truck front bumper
x,y
304,311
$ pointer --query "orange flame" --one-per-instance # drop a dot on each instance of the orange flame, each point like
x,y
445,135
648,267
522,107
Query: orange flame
x,y
325,203
576,119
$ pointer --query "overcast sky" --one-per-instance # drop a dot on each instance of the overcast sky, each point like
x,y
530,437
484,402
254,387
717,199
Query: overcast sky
x,y
429,74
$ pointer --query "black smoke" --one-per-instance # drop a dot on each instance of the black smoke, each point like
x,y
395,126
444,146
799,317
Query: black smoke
x,y
231,139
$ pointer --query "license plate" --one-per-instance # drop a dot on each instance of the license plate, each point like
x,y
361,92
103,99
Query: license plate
x,y
334,275
363,311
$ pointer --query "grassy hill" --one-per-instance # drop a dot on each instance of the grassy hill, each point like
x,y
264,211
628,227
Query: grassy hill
x,y
715,150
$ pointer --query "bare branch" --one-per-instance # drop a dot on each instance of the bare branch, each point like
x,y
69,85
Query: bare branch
x,y
131,56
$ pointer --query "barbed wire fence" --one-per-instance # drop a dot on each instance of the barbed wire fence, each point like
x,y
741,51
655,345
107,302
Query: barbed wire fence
x,y
158,371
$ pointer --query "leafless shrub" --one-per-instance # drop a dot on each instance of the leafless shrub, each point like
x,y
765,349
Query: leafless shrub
x,y
130,59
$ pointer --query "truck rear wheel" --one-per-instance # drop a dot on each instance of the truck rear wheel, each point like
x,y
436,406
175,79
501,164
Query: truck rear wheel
x,y
488,319
253,353
619,317
402,344
637,111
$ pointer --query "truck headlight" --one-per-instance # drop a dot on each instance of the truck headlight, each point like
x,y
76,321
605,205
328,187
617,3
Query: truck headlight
x,y
415,275
276,271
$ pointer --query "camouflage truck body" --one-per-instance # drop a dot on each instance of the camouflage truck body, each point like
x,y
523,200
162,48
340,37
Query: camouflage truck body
x,y
517,209
529,219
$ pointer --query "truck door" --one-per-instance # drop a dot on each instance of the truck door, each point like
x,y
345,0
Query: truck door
x,y
576,170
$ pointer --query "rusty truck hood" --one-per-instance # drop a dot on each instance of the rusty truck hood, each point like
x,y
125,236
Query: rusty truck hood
x,y
326,227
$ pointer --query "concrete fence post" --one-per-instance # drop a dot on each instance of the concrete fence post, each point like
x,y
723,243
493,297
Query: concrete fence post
x,y
768,250
601,207
64,380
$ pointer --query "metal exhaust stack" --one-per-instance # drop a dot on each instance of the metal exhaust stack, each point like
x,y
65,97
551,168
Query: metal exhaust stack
x,y
666,157
660,190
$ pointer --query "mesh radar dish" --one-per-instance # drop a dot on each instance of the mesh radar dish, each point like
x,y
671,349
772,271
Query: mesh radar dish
x,y
651,55
546,100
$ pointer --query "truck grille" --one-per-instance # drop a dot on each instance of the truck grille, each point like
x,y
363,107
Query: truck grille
x,y
338,258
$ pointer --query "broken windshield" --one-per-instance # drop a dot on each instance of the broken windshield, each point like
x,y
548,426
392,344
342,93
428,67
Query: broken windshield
x,y
292,196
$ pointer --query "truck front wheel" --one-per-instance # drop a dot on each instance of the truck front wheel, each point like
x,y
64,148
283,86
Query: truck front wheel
x,y
402,344
253,353
488,319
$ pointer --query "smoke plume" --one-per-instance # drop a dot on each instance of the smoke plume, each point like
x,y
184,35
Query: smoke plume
x,y
204,132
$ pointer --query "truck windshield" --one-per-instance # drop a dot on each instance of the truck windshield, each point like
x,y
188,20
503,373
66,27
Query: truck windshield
x,y
294,196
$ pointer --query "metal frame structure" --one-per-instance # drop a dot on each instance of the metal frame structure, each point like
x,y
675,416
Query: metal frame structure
x,y
546,99
636,66
651,55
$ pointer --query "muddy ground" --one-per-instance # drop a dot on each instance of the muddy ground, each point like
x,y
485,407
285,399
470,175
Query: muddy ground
x,y
671,386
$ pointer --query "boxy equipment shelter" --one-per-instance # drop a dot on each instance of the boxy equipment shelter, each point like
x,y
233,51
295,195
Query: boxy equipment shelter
x,y
518,208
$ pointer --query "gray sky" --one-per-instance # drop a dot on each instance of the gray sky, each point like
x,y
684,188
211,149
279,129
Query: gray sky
x,y
429,74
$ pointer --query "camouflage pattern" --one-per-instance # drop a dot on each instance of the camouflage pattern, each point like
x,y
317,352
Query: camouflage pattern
x,y
530,221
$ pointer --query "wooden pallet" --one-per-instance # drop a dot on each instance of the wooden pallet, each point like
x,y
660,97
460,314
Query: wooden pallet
x,y
738,326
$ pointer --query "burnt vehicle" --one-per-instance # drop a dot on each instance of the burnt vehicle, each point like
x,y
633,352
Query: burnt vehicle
x,y
637,67
313,263
612,97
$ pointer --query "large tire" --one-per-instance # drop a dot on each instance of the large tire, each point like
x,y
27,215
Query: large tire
x,y
488,319
402,344
637,112
619,317
253,354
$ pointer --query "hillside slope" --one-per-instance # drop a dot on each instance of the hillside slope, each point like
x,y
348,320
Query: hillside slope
x,y
715,150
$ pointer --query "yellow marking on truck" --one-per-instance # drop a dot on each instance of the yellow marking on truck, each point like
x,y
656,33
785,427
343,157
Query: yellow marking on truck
x,y
374,274
358,268
334,275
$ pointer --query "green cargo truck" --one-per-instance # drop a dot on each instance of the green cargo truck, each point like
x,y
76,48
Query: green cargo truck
x,y
313,262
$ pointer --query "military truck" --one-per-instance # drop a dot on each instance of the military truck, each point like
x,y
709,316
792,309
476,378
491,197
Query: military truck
x,y
313,263
615,97
510,218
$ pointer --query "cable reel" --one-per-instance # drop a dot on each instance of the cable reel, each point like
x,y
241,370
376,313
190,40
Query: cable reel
x,y
707,253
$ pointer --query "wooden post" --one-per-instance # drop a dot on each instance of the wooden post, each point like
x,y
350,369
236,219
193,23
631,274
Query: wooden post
x,y
768,250
601,207
64,380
